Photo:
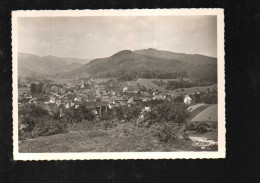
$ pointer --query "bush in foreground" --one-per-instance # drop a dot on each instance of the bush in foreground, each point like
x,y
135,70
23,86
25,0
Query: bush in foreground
x,y
39,122
165,120
48,126
168,112
209,97
78,115
165,131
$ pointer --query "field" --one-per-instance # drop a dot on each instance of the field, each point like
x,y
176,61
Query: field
x,y
147,83
204,115
209,114
183,91
165,80
101,80
196,106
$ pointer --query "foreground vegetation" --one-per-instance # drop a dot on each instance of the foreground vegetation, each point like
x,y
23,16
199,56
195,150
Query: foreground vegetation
x,y
99,137
39,122
163,127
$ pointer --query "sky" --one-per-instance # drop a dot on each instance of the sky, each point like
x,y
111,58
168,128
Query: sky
x,y
102,36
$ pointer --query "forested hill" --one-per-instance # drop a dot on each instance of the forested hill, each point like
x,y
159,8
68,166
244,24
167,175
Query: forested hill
x,y
189,58
128,65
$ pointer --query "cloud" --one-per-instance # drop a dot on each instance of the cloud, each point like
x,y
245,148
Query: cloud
x,y
89,34
63,40
95,37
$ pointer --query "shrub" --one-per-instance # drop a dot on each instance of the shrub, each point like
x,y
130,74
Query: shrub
x,y
132,112
32,110
30,114
165,131
39,122
123,113
167,111
43,125
202,127
82,113
152,103
30,121
108,115
209,98
78,115
48,126
118,112
178,99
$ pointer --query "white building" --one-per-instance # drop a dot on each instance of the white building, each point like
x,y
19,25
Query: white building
x,y
187,99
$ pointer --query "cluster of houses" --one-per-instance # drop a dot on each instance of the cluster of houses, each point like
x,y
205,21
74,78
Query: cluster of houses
x,y
96,96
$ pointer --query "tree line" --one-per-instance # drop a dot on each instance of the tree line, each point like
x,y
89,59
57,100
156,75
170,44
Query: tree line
x,y
207,75
37,88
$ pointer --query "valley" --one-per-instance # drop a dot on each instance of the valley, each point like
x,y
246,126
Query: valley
x,y
140,98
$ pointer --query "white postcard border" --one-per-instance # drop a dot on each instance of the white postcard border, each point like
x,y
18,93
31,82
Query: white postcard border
x,y
221,153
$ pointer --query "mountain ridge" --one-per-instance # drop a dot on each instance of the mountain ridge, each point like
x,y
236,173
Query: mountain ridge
x,y
153,49
30,63
135,63
189,58
151,60
46,56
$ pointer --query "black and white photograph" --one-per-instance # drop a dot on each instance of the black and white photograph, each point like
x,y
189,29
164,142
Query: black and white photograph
x,y
118,84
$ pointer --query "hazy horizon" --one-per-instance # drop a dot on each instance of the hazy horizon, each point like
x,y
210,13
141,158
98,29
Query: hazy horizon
x,y
99,37
109,55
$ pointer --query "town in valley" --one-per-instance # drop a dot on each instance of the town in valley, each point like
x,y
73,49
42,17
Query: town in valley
x,y
117,84
69,99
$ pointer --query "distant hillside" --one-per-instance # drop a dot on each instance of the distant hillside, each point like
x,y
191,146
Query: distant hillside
x,y
28,63
129,61
189,58
150,63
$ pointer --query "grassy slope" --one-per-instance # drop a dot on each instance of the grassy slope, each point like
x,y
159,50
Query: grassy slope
x,y
198,111
123,138
195,106
202,113
208,114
